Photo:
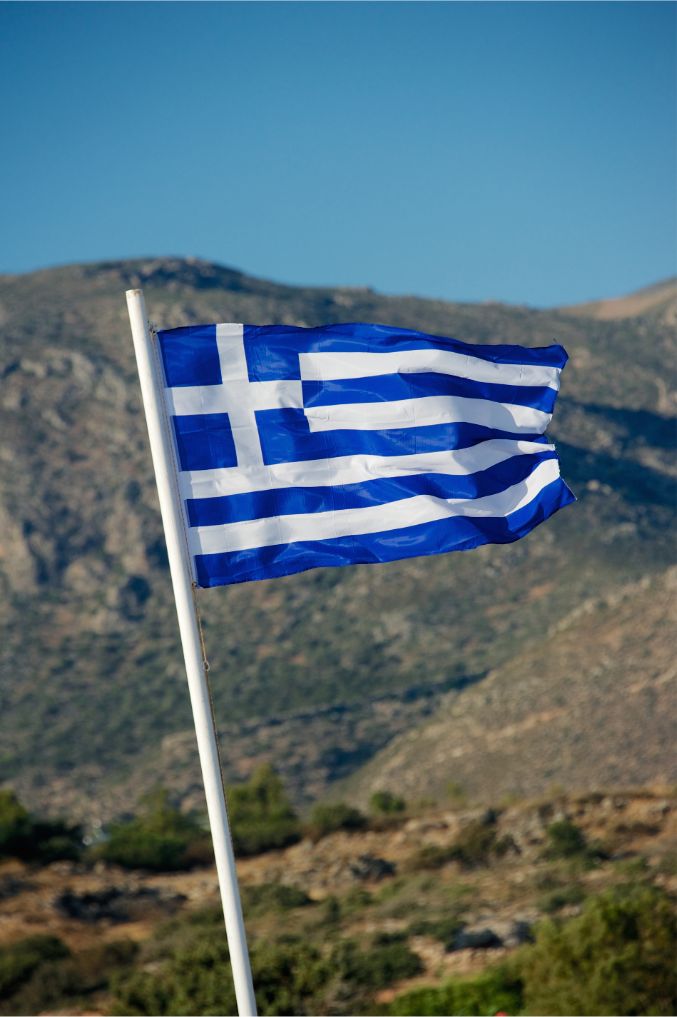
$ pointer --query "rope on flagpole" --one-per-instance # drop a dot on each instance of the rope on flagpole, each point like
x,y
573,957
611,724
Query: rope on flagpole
x,y
198,615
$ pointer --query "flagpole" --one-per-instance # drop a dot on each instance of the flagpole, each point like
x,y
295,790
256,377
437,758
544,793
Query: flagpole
x,y
182,580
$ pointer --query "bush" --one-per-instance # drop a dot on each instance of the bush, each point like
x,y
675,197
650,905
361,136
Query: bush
x,y
56,981
498,989
475,844
195,978
261,815
388,960
562,897
15,823
267,897
617,957
289,978
35,840
325,819
565,840
161,839
443,929
384,803
20,960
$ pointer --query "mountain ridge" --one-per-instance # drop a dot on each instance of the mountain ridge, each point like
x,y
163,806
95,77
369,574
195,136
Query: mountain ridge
x,y
209,274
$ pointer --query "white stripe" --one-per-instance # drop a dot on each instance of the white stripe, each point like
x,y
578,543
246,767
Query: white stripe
x,y
335,366
353,469
261,395
346,522
235,375
424,411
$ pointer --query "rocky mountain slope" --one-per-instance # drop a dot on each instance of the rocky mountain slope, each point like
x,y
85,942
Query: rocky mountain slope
x,y
315,672
590,703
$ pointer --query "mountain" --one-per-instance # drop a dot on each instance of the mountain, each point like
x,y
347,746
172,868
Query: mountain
x,y
659,300
316,672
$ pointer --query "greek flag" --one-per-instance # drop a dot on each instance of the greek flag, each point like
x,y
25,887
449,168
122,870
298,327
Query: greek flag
x,y
306,447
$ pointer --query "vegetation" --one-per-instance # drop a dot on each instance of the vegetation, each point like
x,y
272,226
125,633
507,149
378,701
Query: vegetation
x,y
261,814
496,990
566,840
617,957
34,840
20,960
444,929
291,975
562,897
40,972
385,803
326,819
262,898
476,845
160,838
614,954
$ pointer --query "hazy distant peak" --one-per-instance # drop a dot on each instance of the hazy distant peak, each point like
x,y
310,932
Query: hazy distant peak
x,y
659,297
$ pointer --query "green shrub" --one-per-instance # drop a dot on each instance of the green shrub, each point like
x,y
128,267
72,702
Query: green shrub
x,y
562,897
160,838
443,929
61,981
475,844
15,822
20,960
289,978
35,840
384,803
567,841
498,989
196,979
388,960
261,815
266,897
325,819
617,957
431,856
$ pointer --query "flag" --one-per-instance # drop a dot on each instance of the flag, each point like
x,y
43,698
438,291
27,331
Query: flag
x,y
305,447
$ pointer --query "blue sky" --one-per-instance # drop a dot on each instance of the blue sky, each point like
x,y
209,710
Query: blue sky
x,y
514,151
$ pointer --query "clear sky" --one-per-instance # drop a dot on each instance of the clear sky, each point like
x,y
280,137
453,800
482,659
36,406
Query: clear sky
x,y
513,151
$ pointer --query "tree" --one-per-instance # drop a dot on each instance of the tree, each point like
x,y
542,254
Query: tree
x,y
385,803
261,815
160,838
617,957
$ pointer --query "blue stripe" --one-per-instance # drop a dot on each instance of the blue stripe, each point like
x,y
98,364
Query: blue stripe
x,y
295,500
388,387
272,351
457,533
190,355
286,438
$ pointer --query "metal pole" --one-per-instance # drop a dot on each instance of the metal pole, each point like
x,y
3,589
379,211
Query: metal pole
x,y
181,573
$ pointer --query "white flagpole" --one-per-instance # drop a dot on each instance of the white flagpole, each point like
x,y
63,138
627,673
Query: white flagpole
x,y
181,573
